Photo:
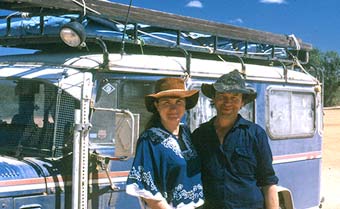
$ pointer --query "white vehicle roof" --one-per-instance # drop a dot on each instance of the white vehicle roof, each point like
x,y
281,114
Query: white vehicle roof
x,y
52,67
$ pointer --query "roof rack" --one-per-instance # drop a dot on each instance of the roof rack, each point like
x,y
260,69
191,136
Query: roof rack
x,y
137,16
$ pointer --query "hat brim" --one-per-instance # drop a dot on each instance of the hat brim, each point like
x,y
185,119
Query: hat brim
x,y
209,91
191,98
247,98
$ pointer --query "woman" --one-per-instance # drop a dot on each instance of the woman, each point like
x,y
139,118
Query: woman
x,y
166,170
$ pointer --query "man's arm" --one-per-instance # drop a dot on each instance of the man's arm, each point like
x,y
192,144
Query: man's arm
x,y
271,197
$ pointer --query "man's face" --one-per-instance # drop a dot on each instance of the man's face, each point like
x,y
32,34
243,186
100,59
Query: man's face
x,y
228,104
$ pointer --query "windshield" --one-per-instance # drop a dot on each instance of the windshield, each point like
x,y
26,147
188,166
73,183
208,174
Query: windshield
x,y
35,118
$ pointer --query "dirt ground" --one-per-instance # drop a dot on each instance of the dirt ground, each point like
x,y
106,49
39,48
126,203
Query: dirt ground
x,y
331,160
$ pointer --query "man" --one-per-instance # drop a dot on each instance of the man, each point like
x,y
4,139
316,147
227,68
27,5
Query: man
x,y
237,169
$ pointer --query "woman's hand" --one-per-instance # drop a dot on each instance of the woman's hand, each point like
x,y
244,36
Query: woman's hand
x,y
157,204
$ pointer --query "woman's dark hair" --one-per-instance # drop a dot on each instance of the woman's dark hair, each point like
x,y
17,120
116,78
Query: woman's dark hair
x,y
153,121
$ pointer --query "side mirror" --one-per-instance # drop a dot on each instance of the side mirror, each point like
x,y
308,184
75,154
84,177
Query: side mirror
x,y
115,128
126,134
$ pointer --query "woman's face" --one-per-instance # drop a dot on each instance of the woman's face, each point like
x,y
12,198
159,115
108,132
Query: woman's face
x,y
171,109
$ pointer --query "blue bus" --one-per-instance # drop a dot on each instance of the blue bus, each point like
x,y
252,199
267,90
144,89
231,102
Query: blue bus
x,y
71,112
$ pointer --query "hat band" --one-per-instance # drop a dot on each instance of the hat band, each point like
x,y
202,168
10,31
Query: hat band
x,y
170,90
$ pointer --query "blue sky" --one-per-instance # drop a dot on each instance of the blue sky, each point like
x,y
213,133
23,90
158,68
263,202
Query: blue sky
x,y
314,21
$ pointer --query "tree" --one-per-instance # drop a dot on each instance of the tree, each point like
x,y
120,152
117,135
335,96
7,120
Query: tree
x,y
329,62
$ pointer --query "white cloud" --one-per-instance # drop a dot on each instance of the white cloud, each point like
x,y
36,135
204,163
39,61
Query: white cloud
x,y
236,21
195,3
273,1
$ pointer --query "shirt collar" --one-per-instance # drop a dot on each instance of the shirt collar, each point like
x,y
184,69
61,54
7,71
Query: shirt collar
x,y
240,121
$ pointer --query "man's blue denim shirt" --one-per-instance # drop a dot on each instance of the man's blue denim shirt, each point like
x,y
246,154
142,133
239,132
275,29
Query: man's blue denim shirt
x,y
234,172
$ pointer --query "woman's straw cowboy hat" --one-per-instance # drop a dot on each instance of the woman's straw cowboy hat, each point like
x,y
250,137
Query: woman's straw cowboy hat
x,y
232,82
171,87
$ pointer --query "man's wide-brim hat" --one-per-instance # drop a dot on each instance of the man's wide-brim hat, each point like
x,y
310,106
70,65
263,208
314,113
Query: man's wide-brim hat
x,y
232,82
171,87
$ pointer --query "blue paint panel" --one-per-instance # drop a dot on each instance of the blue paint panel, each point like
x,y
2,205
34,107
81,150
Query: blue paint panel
x,y
15,169
104,198
303,179
37,202
6,203
125,201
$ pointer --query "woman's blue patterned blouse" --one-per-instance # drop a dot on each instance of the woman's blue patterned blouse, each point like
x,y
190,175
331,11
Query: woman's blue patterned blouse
x,y
162,170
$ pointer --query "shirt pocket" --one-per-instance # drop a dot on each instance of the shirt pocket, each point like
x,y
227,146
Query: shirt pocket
x,y
243,161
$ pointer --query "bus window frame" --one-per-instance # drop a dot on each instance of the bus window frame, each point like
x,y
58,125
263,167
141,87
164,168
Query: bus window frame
x,y
291,90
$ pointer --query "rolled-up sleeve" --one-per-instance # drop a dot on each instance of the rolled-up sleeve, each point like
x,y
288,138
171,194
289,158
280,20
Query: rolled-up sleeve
x,y
265,173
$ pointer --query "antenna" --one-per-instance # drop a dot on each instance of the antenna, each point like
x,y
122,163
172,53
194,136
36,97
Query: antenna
x,y
122,51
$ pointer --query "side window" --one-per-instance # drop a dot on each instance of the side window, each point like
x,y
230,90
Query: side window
x,y
202,112
102,131
118,94
107,94
36,118
247,111
290,113
131,97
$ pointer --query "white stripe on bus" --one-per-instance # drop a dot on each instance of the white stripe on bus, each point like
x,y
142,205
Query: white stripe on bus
x,y
297,157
